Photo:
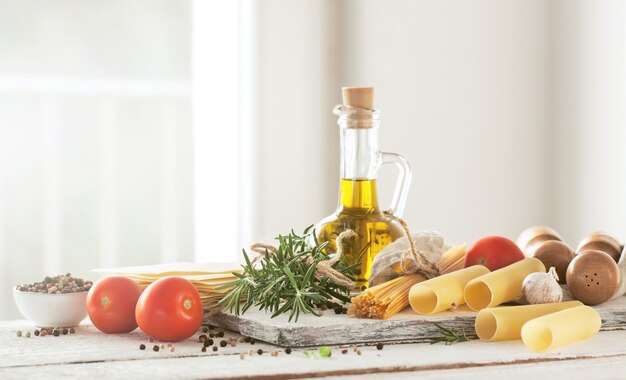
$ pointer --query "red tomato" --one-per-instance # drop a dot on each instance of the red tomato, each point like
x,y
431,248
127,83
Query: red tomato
x,y
170,309
111,304
494,252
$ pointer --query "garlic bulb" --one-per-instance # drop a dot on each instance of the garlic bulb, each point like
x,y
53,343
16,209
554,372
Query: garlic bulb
x,y
542,288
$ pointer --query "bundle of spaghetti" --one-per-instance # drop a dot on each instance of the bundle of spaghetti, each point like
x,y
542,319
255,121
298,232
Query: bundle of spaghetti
x,y
385,300
453,259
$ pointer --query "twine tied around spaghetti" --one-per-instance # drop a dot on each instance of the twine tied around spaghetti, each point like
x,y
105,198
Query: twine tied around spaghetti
x,y
324,269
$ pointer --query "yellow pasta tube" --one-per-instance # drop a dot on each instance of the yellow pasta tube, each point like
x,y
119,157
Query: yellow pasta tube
x,y
505,323
443,292
502,285
561,328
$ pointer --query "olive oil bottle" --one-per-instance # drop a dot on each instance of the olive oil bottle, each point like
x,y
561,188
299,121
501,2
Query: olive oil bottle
x,y
358,208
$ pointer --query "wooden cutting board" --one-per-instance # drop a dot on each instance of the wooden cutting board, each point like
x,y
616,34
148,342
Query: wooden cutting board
x,y
406,326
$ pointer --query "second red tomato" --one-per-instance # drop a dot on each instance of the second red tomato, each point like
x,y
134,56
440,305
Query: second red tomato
x,y
170,309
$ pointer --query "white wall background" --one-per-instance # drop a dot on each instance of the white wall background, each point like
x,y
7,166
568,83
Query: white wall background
x,y
511,113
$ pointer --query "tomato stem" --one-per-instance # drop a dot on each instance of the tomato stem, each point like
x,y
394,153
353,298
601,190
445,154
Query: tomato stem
x,y
104,300
187,304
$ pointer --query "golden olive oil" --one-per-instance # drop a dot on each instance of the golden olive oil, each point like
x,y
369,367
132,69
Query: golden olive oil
x,y
358,210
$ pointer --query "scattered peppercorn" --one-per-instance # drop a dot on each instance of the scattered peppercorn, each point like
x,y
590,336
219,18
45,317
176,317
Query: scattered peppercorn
x,y
288,350
250,352
43,333
72,331
223,343
344,351
162,346
64,331
36,333
203,349
210,341
28,334
242,356
155,348
252,341
202,338
211,335
151,340
246,339
274,353
56,333
241,340
207,342
169,344
325,351
142,346
259,351
205,329
172,349
214,348
220,334
338,310
19,333
379,346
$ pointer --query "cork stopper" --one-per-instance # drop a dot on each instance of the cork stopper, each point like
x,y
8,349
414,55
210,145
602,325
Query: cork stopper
x,y
362,97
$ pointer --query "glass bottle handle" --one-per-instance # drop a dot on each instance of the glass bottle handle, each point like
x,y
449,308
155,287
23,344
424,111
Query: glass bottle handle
x,y
403,182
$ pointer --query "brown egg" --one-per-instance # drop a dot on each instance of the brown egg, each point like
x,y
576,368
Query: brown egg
x,y
592,277
534,235
553,253
600,241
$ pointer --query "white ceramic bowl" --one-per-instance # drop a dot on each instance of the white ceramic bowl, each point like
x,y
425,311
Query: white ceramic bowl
x,y
52,310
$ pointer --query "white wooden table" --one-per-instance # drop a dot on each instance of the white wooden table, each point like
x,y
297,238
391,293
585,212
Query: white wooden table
x,y
89,353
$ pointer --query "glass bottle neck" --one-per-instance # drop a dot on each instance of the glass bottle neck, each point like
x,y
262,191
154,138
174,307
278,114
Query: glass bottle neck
x,y
359,160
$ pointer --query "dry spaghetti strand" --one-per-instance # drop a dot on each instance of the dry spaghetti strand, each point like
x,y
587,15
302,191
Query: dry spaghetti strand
x,y
384,300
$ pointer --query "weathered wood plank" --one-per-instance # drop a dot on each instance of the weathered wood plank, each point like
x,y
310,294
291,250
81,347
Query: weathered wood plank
x,y
96,355
332,329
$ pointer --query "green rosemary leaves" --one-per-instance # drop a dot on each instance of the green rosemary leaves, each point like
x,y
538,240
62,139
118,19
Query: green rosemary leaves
x,y
286,281
448,336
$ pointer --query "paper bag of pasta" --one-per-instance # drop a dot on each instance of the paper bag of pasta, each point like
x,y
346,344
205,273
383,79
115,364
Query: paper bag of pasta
x,y
401,257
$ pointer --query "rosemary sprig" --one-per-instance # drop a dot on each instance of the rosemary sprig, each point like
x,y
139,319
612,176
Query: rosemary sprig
x,y
448,336
285,282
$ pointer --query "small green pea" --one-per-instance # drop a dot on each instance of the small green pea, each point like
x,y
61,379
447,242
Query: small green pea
x,y
325,352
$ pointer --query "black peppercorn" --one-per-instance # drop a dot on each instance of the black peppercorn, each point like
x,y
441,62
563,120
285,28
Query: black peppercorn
x,y
223,343
65,331
202,338
210,341
252,341
155,348
203,349
220,334
142,346
288,351
206,343
36,333
72,331
205,329
214,348
379,346
56,333
246,339
259,351
344,351
211,335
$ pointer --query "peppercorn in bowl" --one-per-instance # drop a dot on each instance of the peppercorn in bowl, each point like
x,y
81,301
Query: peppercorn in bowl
x,y
59,301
